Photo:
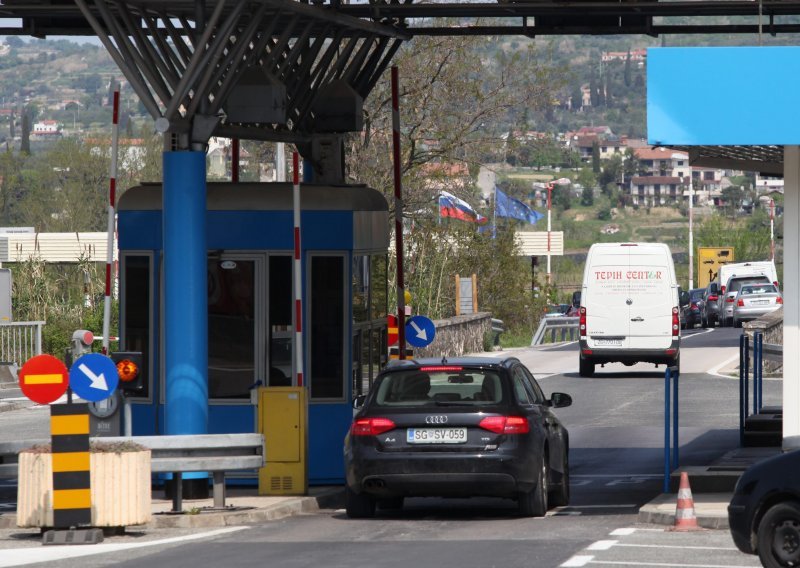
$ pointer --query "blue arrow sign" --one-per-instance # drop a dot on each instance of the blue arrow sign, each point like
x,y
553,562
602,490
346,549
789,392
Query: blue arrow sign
x,y
93,377
420,331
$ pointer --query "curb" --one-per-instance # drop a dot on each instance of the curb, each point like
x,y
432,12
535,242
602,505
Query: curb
x,y
333,498
655,517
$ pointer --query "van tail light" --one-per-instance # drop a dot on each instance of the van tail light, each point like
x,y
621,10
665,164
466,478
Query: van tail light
x,y
776,284
582,322
676,323
505,424
713,297
740,303
371,426
722,289
778,300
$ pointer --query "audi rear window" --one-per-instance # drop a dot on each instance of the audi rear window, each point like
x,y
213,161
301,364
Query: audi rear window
x,y
448,386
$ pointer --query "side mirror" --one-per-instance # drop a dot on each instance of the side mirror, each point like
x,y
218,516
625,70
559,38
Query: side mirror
x,y
560,400
358,401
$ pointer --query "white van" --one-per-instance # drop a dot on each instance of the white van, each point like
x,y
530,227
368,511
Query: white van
x,y
728,271
629,306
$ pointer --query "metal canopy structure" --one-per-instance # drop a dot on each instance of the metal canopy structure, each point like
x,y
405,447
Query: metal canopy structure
x,y
183,57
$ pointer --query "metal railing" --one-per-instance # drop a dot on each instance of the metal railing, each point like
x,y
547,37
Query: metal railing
x,y
19,341
559,329
216,453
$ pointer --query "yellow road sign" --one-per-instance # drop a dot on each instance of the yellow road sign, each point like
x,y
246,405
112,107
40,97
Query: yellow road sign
x,y
709,259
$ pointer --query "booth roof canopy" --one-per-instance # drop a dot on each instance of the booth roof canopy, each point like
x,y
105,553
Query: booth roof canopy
x,y
767,160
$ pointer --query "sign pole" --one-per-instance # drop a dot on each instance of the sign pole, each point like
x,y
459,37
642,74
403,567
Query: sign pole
x,y
398,216
549,201
772,230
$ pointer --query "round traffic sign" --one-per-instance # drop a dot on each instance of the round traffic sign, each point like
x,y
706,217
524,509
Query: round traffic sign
x,y
420,331
43,379
93,377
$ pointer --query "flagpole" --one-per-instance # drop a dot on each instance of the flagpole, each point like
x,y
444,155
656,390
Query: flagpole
x,y
494,214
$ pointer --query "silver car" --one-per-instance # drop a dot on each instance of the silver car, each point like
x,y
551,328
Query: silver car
x,y
755,300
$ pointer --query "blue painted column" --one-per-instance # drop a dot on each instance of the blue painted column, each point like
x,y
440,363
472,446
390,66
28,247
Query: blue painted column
x,y
185,293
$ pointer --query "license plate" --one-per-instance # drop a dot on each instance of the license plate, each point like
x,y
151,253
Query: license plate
x,y
436,435
759,302
617,342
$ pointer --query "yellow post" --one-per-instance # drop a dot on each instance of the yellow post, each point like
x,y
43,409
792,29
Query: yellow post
x,y
282,419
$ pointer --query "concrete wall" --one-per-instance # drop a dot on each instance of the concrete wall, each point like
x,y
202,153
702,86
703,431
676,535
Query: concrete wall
x,y
459,335
771,325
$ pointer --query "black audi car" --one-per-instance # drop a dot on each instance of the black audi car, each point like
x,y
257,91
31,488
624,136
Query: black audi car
x,y
459,427
764,512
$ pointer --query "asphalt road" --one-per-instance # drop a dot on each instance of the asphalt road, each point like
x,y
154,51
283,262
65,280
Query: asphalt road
x,y
616,434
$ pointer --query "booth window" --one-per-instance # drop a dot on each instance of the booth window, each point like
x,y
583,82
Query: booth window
x,y
280,321
231,327
326,327
135,325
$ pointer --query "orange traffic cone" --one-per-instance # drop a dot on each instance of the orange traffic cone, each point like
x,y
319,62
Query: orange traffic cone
x,y
685,519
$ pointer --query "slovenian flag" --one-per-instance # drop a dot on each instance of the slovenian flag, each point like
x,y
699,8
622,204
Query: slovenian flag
x,y
452,206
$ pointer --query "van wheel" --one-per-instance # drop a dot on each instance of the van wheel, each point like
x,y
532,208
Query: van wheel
x,y
585,368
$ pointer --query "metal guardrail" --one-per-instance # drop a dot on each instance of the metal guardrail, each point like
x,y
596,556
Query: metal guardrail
x,y
556,327
770,352
19,341
216,453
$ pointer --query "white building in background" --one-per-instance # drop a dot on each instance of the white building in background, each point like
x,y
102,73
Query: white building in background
x,y
47,128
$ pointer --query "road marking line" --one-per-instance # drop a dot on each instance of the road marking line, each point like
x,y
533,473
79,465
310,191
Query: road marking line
x,y
623,506
681,547
696,334
602,545
666,564
577,561
622,532
619,475
22,556
715,370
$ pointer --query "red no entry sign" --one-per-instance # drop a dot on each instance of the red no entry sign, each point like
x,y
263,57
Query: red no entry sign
x,y
43,379
391,320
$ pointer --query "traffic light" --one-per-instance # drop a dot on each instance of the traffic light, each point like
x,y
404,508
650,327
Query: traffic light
x,y
129,369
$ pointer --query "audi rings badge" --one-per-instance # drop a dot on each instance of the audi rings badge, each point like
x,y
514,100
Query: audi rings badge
x,y
440,419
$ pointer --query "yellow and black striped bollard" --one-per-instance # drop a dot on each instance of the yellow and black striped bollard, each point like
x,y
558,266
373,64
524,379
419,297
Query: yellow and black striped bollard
x,y
72,499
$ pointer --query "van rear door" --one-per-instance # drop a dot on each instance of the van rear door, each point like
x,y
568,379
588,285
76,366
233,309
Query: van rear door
x,y
607,291
651,300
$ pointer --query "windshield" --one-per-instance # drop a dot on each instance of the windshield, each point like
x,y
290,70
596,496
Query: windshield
x,y
449,386
696,294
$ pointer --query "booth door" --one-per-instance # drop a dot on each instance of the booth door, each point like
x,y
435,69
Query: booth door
x,y
248,337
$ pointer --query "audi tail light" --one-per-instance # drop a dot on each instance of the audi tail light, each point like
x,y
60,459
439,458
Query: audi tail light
x,y
371,426
505,424
582,322
676,323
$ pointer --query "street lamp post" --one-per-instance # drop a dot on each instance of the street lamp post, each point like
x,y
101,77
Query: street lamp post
x,y
549,203
772,230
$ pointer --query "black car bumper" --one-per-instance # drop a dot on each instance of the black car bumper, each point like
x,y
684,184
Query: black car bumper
x,y
389,474
667,356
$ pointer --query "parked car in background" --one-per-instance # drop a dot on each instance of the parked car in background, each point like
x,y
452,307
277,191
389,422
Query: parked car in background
x,y
711,305
734,285
461,427
692,310
755,300
764,512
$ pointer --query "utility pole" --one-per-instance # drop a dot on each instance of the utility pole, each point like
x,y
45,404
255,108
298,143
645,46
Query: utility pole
x,y
691,234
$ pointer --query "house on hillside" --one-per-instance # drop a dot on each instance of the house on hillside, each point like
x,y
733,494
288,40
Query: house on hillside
x,y
47,128
653,191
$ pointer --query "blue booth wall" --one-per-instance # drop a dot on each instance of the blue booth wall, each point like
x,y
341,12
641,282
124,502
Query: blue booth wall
x,y
140,232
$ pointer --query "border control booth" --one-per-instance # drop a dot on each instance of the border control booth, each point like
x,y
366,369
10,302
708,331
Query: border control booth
x,y
250,241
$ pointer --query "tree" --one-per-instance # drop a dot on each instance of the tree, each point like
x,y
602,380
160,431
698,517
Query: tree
x,y
595,157
587,196
627,73
749,242
25,143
